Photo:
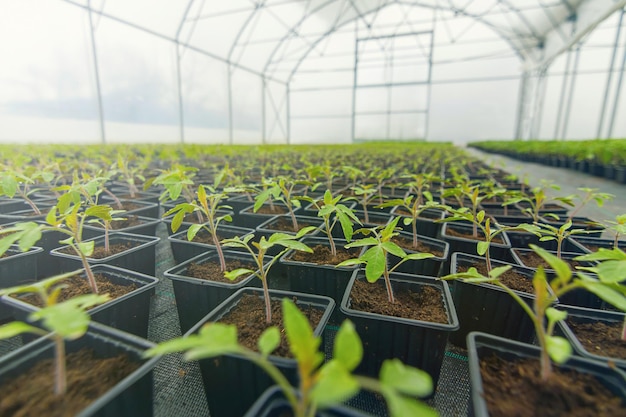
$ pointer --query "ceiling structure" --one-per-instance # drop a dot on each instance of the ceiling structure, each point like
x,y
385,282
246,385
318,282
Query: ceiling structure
x,y
283,50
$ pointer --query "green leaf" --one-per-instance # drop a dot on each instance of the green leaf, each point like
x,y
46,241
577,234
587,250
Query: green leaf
x,y
236,273
302,344
101,211
295,245
215,339
269,341
334,385
611,272
393,249
419,256
401,406
351,262
348,349
407,221
482,247
86,248
611,296
16,328
29,238
496,272
9,185
405,379
368,241
193,231
69,318
603,254
555,315
375,263
559,349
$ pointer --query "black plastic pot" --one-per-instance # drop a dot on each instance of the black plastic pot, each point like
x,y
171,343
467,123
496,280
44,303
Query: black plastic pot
x,y
18,268
586,244
416,343
225,376
268,227
481,345
131,397
140,258
426,224
328,280
129,313
431,267
248,218
585,223
487,307
522,240
24,215
196,297
273,404
182,249
589,315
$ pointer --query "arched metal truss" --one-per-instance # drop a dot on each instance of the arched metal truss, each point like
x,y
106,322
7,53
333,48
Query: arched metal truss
x,y
273,40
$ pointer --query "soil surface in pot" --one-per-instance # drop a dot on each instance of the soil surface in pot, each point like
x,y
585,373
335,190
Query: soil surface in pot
x,y
249,317
128,221
510,278
128,206
204,237
455,233
425,304
407,244
323,256
273,210
77,285
283,224
600,338
211,271
100,253
516,389
88,377
532,260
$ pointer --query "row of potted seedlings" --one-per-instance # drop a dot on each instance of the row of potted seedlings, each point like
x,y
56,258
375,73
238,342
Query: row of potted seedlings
x,y
367,238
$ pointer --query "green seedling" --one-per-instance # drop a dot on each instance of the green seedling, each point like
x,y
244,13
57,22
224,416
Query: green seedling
x,y
13,183
331,210
209,204
412,204
322,385
543,315
67,320
618,227
375,258
258,250
365,194
281,189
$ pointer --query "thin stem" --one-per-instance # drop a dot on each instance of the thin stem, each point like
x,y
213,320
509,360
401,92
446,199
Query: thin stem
x,y
106,236
390,296
60,374
414,227
266,290
116,200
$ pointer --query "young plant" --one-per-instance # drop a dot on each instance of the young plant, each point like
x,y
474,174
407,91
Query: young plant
x,y
209,204
67,320
365,194
331,210
543,315
590,194
618,227
281,189
321,384
549,232
13,183
375,258
258,250
538,199
411,204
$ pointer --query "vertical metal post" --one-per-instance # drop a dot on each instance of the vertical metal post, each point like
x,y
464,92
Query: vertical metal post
x,y
568,109
96,73
356,63
389,89
559,113
263,109
618,89
288,110
429,86
610,76
230,105
540,94
181,114
521,106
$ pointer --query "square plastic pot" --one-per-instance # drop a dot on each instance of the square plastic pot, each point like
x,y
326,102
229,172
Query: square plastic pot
x,y
147,227
481,345
182,249
129,313
131,397
426,224
196,297
225,376
18,268
416,343
140,258
431,267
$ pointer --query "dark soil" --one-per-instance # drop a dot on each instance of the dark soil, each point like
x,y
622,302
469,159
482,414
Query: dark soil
x,y
373,219
425,305
453,232
128,206
532,260
100,253
510,278
323,256
407,244
284,224
77,285
204,237
211,271
515,389
276,209
600,338
128,221
249,317
32,393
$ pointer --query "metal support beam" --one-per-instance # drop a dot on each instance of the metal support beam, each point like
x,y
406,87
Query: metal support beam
x,y
230,105
609,78
288,92
521,103
94,51
263,92
559,113
179,82
618,90
568,109
540,95
356,64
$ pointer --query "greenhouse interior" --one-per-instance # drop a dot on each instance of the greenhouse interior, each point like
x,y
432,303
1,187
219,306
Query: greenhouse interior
x,y
313,208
